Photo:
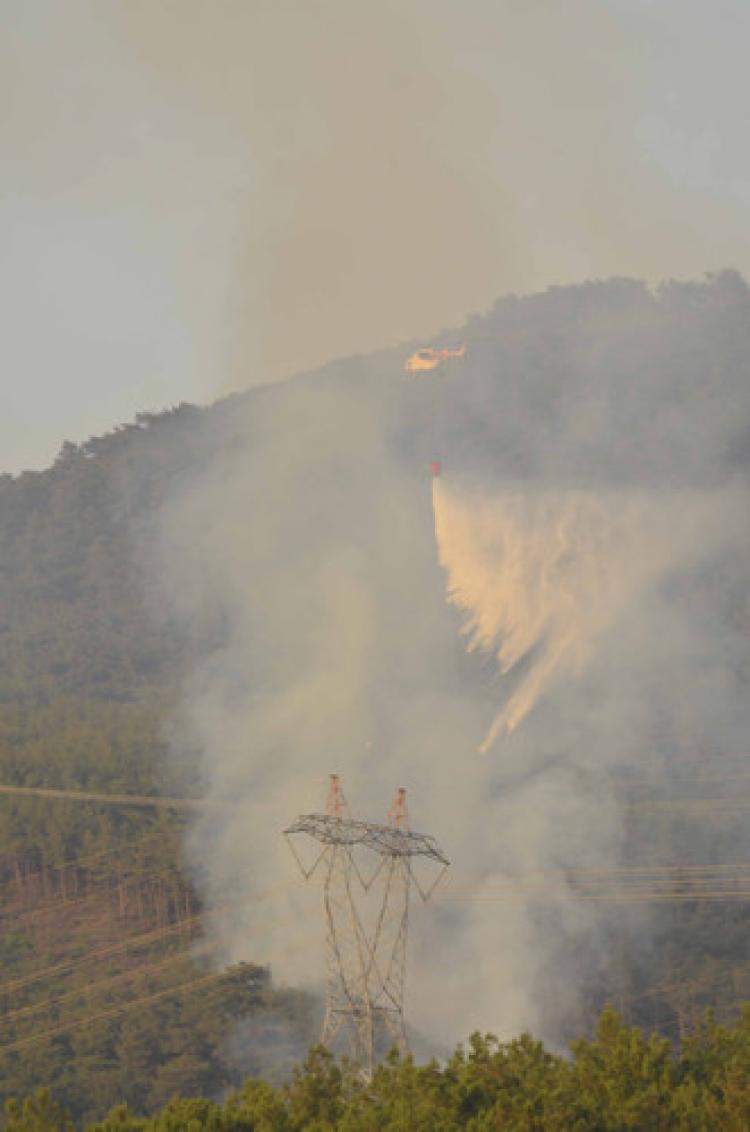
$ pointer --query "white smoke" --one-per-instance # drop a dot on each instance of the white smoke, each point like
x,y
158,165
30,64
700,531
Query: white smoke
x,y
304,559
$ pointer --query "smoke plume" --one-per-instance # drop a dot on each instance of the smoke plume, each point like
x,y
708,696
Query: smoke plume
x,y
590,534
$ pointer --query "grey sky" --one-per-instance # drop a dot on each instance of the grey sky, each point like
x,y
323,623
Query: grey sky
x,y
198,197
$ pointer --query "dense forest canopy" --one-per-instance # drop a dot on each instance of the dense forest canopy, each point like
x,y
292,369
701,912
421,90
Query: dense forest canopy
x,y
618,1081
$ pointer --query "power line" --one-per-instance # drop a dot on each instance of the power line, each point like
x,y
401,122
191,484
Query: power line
x,y
121,976
90,1019
692,806
561,897
681,805
642,883
135,941
626,869
62,902
144,800
100,953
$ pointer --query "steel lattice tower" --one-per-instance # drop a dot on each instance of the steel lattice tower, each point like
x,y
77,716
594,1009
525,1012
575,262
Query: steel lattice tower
x,y
368,877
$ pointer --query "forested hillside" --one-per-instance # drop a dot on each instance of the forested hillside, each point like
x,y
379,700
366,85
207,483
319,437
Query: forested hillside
x,y
620,1080
93,663
94,895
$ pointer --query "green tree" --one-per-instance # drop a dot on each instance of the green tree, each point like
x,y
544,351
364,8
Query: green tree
x,y
39,1113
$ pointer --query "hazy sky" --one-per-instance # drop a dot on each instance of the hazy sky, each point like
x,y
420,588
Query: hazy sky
x,y
197,197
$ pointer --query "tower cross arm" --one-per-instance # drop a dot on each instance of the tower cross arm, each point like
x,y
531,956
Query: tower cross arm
x,y
329,829
404,843
381,839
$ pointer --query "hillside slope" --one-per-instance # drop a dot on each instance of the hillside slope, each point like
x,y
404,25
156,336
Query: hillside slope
x,y
604,385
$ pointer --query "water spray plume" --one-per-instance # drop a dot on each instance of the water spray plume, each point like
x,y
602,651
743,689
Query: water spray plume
x,y
540,575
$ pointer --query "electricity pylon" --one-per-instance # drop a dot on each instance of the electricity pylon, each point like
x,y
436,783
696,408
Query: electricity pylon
x,y
366,902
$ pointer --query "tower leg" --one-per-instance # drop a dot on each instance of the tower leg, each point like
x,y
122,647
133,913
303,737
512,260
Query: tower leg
x,y
348,1000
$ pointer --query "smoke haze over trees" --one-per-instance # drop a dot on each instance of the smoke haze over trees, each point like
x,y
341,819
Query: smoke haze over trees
x,y
547,644
311,540
256,589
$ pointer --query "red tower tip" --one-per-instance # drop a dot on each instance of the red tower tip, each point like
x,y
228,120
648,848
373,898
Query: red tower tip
x,y
435,468
398,815
336,802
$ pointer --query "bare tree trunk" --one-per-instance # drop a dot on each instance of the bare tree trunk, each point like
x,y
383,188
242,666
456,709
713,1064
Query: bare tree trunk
x,y
122,896
18,875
